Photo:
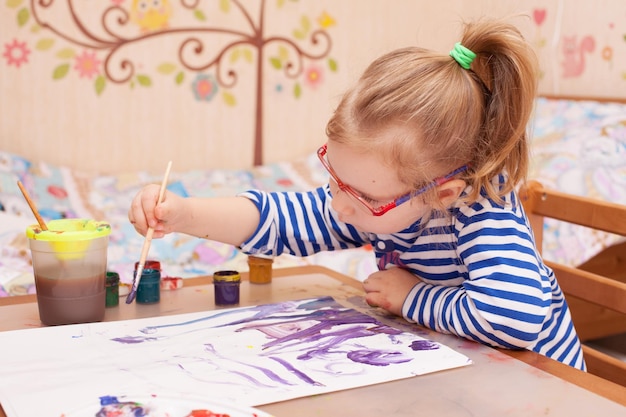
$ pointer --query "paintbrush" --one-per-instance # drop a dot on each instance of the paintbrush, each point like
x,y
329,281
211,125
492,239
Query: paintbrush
x,y
146,243
42,224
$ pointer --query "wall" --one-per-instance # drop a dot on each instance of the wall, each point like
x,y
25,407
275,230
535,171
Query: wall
x,y
96,87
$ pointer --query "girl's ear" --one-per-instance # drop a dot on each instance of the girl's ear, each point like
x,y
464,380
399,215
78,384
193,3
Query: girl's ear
x,y
450,191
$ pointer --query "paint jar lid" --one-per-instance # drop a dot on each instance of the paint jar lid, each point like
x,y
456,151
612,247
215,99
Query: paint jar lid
x,y
113,278
149,264
226,276
260,260
149,276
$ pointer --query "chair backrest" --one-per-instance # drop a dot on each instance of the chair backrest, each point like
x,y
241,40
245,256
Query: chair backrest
x,y
596,297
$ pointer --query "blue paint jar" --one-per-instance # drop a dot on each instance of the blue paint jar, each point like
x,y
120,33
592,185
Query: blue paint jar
x,y
226,285
149,288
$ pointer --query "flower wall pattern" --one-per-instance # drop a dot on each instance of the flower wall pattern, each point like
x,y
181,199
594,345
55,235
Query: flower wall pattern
x,y
180,81
92,49
16,53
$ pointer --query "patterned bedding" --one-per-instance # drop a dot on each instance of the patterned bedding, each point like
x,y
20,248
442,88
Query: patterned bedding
x,y
578,147
60,192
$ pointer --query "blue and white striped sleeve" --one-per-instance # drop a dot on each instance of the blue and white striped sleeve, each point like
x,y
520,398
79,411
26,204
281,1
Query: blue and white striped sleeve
x,y
505,297
298,223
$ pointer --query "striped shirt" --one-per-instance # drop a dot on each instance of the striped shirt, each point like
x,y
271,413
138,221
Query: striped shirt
x,y
481,275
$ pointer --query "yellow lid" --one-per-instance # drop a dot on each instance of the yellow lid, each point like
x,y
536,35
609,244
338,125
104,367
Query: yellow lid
x,y
226,276
69,230
69,238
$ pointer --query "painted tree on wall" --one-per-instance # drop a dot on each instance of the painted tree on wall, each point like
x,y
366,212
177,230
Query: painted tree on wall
x,y
122,24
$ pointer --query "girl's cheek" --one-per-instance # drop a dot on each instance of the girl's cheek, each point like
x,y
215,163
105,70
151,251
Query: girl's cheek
x,y
341,204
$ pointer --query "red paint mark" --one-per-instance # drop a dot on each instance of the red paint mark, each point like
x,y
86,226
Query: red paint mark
x,y
498,357
205,413
57,191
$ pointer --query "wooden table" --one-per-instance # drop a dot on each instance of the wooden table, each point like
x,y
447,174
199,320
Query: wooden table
x,y
499,382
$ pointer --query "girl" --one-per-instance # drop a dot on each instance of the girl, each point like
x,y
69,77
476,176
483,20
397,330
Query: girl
x,y
424,155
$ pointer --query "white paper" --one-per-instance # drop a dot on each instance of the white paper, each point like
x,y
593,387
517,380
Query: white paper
x,y
249,356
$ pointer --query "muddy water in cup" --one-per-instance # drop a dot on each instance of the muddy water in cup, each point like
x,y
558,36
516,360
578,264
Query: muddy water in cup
x,y
67,300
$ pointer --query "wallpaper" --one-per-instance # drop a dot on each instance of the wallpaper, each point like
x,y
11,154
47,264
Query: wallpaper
x,y
119,85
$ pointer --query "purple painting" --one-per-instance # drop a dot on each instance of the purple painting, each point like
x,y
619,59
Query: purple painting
x,y
248,356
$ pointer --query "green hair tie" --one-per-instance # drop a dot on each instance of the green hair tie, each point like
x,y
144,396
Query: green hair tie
x,y
462,55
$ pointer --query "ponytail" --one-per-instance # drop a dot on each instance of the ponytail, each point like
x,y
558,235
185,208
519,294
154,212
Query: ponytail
x,y
507,66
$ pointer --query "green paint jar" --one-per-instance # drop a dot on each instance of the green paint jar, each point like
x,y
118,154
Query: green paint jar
x,y
112,297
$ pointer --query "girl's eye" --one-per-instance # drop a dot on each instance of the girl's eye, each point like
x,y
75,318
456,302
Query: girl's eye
x,y
368,200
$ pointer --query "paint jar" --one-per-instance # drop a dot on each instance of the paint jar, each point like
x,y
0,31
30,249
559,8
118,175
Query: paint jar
x,y
260,269
226,285
69,264
150,264
112,289
149,288
171,283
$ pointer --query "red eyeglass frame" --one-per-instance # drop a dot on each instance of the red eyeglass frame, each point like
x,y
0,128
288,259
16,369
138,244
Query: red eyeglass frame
x,y
321,154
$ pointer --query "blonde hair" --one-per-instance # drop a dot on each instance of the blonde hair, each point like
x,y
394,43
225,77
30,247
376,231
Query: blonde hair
x,y
441,116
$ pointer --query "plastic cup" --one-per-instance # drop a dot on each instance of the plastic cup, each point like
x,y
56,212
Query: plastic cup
x,y
70,268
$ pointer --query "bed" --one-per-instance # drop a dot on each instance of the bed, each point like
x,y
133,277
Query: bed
x,y
578,146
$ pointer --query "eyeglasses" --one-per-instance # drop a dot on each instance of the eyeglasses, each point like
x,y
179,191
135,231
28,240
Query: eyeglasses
x,y
379,211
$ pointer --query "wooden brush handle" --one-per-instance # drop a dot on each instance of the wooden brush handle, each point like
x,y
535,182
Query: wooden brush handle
x,y
42,224
150,232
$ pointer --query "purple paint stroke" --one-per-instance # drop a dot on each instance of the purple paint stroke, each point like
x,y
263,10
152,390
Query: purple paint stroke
x,y
424,345
359,327
333,340
318,310
153,329
327,319
211,379
301,375
332,325
378,358
265,312
278,310
133,340
267,372
321,302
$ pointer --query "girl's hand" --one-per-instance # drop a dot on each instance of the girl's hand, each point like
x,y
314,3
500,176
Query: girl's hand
x,y
230,220
389,288
164,218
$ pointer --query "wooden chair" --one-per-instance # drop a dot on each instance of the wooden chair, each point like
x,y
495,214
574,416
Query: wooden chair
x,y
595,290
